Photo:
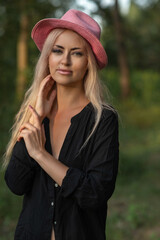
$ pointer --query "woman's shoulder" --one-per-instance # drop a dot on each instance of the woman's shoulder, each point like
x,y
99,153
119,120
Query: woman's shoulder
x,y
108,112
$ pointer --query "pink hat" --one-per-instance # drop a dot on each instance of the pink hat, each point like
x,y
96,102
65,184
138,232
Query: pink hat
x,y
77,21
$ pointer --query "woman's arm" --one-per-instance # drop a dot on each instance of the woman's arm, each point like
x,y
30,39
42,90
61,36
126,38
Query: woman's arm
x,y
53,167
34,137
20,170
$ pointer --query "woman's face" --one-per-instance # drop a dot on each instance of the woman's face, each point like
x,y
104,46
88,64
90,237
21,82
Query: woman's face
x,y
68,60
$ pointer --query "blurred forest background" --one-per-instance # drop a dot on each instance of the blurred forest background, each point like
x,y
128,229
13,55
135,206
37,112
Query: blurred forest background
x,y
132,42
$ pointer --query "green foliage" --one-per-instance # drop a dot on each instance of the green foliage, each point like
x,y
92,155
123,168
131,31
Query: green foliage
x,y
142,35
144,87
137,215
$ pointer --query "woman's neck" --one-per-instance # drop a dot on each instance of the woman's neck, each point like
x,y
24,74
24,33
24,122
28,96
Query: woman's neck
x,y
70,98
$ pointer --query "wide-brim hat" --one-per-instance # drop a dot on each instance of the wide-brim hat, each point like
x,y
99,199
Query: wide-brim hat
x,y
77,21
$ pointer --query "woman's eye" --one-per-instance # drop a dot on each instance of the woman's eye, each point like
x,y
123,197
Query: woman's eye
x,y
78,53
58,51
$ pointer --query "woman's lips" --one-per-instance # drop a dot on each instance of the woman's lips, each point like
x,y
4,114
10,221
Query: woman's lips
x,y
64,71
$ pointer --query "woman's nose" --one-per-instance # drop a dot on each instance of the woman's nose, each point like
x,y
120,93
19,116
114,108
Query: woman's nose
x,y
66,59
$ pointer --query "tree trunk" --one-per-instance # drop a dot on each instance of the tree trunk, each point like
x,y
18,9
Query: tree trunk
x,y
22,56
122,57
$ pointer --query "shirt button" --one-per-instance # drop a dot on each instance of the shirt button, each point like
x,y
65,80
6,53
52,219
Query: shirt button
x,y
52,203
56,185
55,222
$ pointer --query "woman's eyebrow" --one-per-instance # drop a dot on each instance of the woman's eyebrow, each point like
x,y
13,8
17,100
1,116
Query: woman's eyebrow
x,y
59,46
75,48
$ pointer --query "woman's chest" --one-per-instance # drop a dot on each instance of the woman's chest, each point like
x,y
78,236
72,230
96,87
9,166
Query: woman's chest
x,y
58,132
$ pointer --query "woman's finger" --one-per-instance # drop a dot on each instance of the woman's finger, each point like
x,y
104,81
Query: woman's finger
x,y
43,135
46,82
52,95
47,89
36,117
28,126
23,134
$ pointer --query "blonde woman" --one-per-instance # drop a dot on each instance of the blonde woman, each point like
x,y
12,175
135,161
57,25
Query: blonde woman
x,y
63,154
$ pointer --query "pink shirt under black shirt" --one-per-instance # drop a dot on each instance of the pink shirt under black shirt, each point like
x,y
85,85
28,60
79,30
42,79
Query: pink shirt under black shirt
x,y
77,209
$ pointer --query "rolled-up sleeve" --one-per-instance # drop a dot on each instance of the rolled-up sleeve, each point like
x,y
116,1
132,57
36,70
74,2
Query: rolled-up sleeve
x,y
20,170
95,184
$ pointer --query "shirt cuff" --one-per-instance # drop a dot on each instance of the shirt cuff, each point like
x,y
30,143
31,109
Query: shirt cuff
x,y
70,182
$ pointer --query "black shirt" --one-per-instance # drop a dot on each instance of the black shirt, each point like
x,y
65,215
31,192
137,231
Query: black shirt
x,y
78,208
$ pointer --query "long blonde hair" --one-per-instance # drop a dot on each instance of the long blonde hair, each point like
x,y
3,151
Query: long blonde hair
x,y
92,87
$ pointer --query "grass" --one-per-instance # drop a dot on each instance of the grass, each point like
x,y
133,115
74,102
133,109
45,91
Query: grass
x,y
134,207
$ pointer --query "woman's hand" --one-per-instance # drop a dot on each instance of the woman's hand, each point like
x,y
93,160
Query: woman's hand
x,y
45,98
33,135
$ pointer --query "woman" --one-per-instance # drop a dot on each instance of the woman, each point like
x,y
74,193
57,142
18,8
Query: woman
x,y
64,146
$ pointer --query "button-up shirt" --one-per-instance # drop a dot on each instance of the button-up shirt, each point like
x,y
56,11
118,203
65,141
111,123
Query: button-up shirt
x,y
77,209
